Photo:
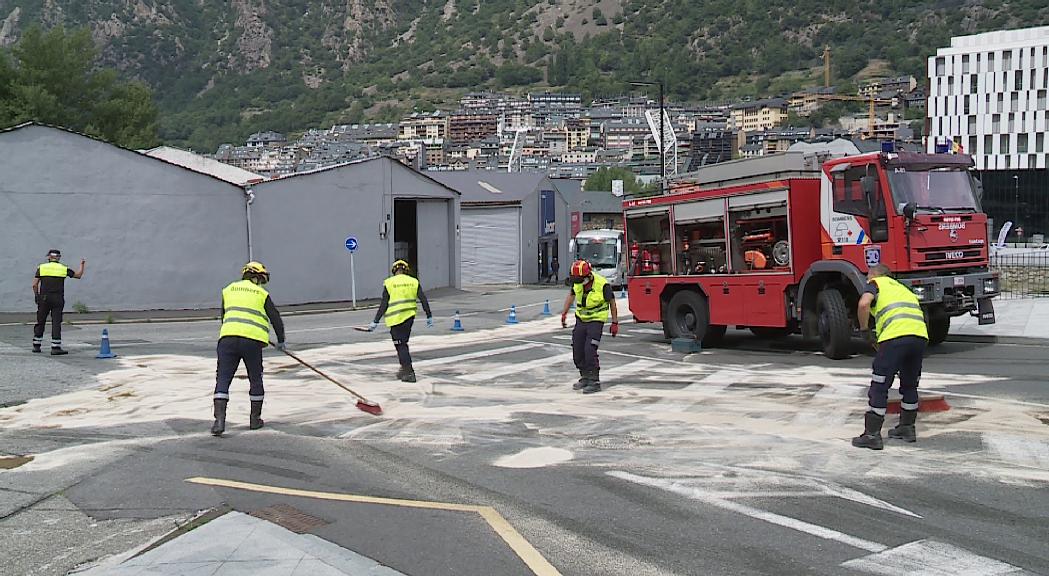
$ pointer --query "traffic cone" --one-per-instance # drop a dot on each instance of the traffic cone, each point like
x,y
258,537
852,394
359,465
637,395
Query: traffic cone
x,y
512,318
105,352
457,325
622,291
546,308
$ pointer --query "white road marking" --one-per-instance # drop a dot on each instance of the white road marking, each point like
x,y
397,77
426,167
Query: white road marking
x,y
923,557
930,558
515,368
473,355
635,367
770,517
647,331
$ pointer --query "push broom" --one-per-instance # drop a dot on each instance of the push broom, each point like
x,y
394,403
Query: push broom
x,y
363,404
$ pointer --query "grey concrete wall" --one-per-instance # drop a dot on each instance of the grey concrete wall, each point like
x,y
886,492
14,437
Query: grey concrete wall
x,y
300,224
155,235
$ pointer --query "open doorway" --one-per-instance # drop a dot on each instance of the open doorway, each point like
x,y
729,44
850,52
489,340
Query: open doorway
x,y
406,233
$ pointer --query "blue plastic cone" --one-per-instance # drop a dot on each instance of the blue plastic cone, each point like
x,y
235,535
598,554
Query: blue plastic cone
x,y
105,352
546,308
512,318
457,325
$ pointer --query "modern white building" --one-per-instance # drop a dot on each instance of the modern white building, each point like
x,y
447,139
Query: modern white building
x,y
988,95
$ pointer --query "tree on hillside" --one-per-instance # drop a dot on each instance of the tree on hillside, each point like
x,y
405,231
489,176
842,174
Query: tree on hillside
x,y
601,180
50,77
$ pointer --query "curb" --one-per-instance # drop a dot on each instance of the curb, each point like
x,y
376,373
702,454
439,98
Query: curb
x,y
991,339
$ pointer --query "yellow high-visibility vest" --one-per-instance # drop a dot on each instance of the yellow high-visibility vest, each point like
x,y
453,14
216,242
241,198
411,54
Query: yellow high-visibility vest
x,y
53,270
897,311
244,311
595,307
403,291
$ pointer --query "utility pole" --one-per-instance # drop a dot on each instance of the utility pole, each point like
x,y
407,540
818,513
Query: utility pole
x,y
826,66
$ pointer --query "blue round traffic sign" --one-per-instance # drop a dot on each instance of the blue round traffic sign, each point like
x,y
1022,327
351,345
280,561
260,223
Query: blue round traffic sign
x,y
351,244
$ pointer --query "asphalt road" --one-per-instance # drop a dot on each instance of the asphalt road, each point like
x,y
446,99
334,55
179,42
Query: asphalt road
x,y
732,461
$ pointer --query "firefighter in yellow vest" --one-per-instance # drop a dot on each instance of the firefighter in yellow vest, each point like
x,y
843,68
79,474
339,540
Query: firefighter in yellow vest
x,y
247,313
594,298
901,340
400,292
49,292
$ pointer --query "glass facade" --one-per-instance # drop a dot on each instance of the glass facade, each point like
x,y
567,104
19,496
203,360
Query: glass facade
x,y
1025,200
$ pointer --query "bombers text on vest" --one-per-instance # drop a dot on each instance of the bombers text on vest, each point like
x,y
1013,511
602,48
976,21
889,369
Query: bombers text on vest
x,y
403,291
897,311
595,306
244,312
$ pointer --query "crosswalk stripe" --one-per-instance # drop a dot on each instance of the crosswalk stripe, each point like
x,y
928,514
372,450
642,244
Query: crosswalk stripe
x,y
516,367
473,355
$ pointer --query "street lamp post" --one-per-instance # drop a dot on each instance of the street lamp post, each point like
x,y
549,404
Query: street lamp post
x,y
662,136
1016,198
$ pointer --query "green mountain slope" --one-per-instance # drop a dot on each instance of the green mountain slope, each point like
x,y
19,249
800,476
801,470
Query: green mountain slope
x,y
225,68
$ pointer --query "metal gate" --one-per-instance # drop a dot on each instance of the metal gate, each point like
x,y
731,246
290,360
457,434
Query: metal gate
x,y
491,245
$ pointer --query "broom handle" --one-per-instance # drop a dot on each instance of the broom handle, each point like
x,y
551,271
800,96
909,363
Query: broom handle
x,y
325,376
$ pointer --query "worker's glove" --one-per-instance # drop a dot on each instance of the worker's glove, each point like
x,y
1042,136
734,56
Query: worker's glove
x,y
429,322
282,346
372,326
614,329
870,338
564,320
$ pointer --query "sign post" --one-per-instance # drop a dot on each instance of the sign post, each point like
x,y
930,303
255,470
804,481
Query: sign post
x,y
351,245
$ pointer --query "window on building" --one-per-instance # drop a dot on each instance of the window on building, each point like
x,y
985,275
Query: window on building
x,y
972,124
973,85
965,63
1003,144
950,85
990,61
1034,79
996,123
941,64
1018,81
1011,123
1007,59
971,149
988,144
1039,142
1014,102
1021,143
1001,102
1041,99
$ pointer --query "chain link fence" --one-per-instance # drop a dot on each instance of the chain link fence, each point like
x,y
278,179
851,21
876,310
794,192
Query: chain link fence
x,y
1022,273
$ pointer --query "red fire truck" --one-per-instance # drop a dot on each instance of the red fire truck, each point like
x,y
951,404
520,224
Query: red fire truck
x,y
781,244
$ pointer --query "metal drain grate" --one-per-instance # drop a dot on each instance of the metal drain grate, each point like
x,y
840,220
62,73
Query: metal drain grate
x,y
289,517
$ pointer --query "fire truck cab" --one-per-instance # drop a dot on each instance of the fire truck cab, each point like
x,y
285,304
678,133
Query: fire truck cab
x,y
782,244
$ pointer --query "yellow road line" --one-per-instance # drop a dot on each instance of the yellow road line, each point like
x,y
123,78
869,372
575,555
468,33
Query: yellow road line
x,y
524,549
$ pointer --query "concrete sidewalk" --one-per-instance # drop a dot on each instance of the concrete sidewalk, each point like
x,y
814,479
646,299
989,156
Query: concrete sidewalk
x,y
238,544
1019,318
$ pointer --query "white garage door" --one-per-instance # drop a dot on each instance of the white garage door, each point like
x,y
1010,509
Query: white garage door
x,y
491,245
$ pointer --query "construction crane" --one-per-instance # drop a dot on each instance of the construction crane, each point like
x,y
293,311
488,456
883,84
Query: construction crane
x,y
872,101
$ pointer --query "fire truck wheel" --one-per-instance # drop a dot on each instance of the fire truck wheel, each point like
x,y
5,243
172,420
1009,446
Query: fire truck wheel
x,y
939,324
687,315
833,321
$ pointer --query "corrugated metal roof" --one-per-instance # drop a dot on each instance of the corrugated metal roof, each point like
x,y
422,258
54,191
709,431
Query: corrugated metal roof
x,y
489,186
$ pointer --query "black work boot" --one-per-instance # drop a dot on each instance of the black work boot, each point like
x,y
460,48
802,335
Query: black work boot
x,y
594,384
401,372
584,379
255,418
905,429
409,375
871,437
57,351
36,348
220,417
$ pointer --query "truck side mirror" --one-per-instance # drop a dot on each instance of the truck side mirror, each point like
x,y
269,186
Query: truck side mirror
x,y
909,209
869,185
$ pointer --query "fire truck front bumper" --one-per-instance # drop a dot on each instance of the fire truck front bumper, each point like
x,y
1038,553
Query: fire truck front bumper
x,y
959,294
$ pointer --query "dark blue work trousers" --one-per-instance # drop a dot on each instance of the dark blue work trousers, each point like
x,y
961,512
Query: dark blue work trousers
x,y
230,351
586,337
901,356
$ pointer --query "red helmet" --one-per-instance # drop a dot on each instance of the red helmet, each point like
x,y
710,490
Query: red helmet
x,y
580,271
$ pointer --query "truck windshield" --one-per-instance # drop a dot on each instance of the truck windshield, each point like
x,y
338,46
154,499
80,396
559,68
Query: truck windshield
x,y
944,190
600,253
